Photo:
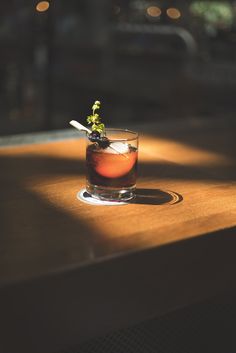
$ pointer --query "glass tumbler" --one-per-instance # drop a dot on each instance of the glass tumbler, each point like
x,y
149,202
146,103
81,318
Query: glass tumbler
x,y
112,167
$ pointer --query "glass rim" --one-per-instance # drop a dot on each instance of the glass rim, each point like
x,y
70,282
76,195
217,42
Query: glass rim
x,y
136,135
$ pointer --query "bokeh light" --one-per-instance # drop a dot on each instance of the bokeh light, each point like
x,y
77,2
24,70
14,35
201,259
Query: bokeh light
x,y
42,6
153,11
173,13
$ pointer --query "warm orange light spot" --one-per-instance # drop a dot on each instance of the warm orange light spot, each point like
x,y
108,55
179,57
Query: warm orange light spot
x,y
42,6
153,11
173,13
106,163
154,149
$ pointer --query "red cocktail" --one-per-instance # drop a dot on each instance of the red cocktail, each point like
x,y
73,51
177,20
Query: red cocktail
x,y
112,165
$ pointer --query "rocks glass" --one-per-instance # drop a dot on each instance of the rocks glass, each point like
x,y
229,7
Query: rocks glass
x,y
112,166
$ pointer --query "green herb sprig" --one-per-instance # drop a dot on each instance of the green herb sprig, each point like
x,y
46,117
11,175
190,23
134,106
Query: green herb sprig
x,y
95,119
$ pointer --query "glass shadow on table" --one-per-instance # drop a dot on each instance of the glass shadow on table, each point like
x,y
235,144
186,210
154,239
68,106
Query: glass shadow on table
x,y
156,197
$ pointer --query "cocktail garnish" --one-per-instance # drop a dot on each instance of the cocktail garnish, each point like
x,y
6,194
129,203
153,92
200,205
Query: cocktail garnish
x,y
98,129
95,119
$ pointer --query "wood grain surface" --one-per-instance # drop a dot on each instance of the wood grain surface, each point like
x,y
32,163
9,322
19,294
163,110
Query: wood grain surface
x,y
186,188
173,245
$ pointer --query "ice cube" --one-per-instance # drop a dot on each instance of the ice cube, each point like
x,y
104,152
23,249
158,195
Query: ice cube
x,y
118,147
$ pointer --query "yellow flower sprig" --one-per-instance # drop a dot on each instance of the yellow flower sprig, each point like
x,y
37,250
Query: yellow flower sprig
x,y
95,118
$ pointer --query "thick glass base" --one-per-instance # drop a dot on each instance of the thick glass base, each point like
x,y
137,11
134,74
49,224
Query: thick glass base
x,y
111,194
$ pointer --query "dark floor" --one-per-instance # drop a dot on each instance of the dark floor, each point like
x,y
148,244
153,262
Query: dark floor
x,y
208,327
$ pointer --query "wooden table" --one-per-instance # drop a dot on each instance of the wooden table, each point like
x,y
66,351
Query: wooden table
x,y
70,271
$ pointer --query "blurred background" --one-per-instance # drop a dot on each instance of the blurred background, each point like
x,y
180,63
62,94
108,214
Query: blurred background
x,y
146,60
